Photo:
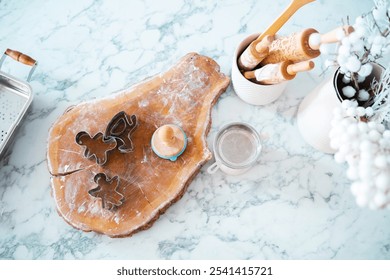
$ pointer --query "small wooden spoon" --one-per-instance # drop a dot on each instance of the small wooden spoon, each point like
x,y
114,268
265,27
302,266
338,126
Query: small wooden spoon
x,y
283,18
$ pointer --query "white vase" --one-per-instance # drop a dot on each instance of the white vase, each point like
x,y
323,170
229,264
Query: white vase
x,y
315,112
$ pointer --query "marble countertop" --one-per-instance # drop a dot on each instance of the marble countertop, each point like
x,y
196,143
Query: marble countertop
x,y
295,204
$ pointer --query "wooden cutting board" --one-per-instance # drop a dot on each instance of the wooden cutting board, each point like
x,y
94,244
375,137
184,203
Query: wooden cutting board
x,y
184,95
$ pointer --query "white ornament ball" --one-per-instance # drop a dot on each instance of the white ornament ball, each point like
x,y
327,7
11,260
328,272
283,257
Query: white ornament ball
x,y
361,201
358,46
348,91
361,111
341,60
365,146
366,188
353,63
379,14
339,157
380,127
352,130
361,79
384,143
365,70
375,50
343,69
346,104
382,181
363,95
354,38
346,42
366,158
344,50
359,21
365,173
346,122
334,143
374,135
379,40
355,188
351,112
369,111
363,127
380,161
352,159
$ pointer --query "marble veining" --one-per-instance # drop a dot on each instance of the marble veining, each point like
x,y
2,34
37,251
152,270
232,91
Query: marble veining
x,y
295,204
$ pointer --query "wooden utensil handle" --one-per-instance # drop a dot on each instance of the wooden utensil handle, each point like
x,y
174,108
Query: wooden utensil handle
x,y
249,75
329,37
292,69
283,18
22,58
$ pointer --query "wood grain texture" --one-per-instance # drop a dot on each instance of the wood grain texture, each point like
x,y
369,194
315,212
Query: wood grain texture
x,y
184,95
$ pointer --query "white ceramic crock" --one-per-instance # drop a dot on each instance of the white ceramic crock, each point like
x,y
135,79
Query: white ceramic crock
x,y
248,91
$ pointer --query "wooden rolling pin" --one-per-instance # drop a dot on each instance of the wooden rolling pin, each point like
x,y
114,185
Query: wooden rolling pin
x,y
271,74
317,39
249,60
254,52
302,46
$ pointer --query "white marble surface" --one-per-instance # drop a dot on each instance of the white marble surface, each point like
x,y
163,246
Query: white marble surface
x,y
295,204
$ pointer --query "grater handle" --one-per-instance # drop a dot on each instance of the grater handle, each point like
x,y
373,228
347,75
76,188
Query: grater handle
x,y
22,58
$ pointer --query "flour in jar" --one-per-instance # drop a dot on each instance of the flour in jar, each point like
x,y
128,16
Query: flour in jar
x,y
238,146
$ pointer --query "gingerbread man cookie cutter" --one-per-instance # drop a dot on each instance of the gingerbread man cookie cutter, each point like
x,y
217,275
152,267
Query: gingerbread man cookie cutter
x,y
96,147
107,191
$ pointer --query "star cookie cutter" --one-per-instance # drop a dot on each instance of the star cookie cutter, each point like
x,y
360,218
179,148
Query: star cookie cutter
x,y
107,191
117,135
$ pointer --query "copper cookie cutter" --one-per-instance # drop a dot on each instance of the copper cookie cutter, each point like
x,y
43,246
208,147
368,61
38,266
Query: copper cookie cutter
x,y
117,135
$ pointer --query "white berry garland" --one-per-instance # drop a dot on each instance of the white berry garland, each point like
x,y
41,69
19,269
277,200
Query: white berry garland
x,y
365,146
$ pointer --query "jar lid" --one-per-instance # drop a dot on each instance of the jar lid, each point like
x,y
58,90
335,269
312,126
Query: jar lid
x,y
237,145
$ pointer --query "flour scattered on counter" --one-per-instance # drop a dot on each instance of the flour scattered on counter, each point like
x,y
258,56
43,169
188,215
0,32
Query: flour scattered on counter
x,y
81,209
143,103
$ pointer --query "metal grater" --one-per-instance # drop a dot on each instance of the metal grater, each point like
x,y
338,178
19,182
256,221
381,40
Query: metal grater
x,y
15,98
